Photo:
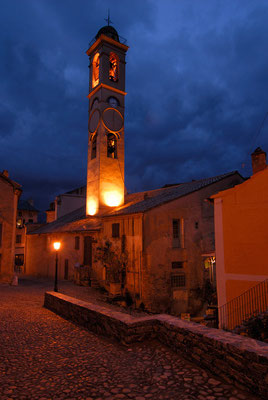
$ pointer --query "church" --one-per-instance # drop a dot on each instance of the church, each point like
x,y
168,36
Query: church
x,y
156,247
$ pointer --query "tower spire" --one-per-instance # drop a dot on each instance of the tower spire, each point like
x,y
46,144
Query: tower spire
x,y
108,19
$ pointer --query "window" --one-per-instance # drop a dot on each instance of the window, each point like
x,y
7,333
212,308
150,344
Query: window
x,y
114,67
176,227
1,230
18,238
96,70
94,147
95,103
115,230
111,146
178,281
177,264
19,259
113,102
30,221
77,242
19,223
20,214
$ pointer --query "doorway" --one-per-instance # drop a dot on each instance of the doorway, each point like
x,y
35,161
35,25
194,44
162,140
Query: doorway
x,y
66,269
88,251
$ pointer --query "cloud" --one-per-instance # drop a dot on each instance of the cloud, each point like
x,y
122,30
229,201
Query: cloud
x,y
195,77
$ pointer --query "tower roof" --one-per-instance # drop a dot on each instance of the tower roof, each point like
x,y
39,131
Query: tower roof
x,y
109,31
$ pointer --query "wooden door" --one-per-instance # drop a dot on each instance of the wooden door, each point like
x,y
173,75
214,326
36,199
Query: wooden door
x,y
66,269
88,251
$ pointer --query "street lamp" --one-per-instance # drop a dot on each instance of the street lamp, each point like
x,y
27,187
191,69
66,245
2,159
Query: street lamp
x,y
56,247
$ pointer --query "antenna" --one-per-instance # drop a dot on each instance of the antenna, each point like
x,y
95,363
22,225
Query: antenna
x,y
258,131
254,138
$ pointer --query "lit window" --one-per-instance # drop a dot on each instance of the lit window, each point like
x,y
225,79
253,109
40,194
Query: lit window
x,y
94,147
115,230
77,242
114,67
19,259
96,70
19,223
111,146
178,281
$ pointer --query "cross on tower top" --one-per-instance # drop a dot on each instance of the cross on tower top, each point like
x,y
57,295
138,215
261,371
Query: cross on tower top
x,y
108,19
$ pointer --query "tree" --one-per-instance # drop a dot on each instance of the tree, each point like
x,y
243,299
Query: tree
x,y
113,259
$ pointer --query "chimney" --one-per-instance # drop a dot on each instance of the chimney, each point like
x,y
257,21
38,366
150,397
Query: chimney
x,y
5,173
258,160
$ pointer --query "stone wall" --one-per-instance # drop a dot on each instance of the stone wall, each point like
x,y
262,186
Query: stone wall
x,y
197,239
8,211
237,359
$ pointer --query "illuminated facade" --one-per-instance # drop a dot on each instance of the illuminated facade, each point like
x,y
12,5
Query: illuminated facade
x,y
105,169
10,192
241,220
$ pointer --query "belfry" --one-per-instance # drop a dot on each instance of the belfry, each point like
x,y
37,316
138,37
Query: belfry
x,y
105,167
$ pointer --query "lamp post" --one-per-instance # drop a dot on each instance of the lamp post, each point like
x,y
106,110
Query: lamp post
x,y
56,247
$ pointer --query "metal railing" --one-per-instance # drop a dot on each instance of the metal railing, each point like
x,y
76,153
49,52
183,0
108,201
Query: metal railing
x,y
250,303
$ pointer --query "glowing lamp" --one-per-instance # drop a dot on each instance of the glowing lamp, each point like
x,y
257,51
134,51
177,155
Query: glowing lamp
x,y
113,199
92,207
56,245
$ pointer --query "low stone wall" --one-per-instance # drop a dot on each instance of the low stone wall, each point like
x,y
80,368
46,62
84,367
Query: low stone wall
x,y
101,320
235,358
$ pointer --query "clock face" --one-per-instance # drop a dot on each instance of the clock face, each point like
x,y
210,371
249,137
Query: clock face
x,y
112,120
113,102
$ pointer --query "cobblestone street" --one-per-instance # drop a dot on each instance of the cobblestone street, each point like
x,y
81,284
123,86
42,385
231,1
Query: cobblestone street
x,y
43,356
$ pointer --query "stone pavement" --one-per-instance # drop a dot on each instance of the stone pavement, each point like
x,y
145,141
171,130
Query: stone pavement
x,y
43,356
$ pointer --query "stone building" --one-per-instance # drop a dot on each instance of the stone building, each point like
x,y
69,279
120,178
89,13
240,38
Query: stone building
x,y
27,216
160,241
65,203
10,192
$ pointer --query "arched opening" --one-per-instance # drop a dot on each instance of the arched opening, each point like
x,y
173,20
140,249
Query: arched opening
x,y
94,147
96,70
111,146
114,67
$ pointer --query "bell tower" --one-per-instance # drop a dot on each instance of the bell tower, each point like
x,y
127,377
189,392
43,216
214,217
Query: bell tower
x,y
105,166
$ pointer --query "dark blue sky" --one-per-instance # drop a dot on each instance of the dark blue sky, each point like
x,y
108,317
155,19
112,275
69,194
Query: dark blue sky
x,y
197,83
